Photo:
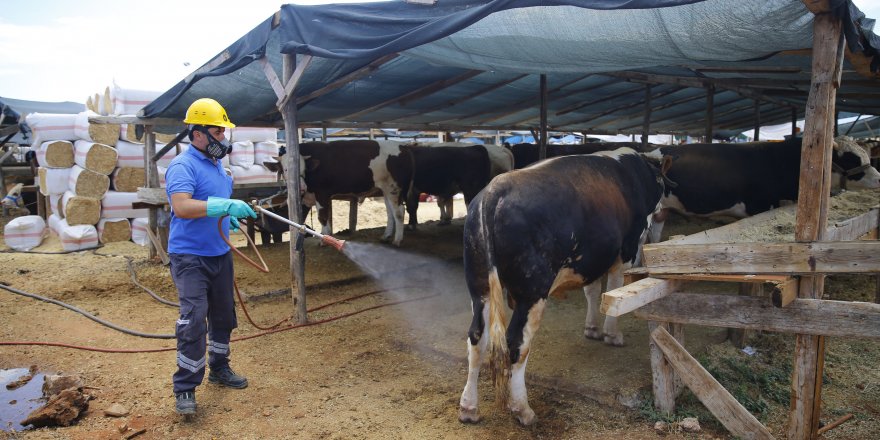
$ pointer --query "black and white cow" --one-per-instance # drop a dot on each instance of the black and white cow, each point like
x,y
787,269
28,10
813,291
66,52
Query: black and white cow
x,y
560,224
741,180
445,171
500,159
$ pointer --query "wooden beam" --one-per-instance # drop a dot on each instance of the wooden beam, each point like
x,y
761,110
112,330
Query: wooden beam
x,y
686,112
369,69
463,99
416,94
812,212
653,109
751,278
802,316
784,292
662,375
294,204
133,120
715,398
769,258
529,102
854,228
626,106
625,299
272,77
293,80
699,82
755,69
581,105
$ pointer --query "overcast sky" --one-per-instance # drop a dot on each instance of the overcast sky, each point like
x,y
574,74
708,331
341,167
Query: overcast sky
x,y
64,50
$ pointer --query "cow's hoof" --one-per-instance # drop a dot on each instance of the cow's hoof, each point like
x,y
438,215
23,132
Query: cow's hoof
x,y
445,222
593,333
410,227
525,416
614,340
468,415
385,239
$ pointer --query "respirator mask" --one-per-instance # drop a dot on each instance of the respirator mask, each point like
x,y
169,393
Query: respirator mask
x,y
216,149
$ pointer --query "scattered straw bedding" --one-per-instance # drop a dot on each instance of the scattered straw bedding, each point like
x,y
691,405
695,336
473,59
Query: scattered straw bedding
x,y
844,206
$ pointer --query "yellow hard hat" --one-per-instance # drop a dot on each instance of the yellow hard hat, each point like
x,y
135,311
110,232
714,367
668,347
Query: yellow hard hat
x,y
206,111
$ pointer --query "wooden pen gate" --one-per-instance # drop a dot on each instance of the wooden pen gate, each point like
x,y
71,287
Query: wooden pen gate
x,y
797,269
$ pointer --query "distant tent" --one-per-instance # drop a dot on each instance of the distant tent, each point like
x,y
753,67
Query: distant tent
x,y
520,139
23,108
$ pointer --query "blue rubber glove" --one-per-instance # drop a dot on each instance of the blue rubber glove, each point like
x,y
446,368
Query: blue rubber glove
x,y
234,226
218,207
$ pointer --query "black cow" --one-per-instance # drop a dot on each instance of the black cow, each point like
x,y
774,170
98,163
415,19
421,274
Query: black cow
x,y
527,154
444,172
741,180
557,225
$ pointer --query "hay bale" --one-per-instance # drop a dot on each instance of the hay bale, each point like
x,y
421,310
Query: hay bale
x,y
131,154
128,179
114,229
55,205
106,134
127,132
87,183
119,205
139,230
55,154
80,210
96,157
53,180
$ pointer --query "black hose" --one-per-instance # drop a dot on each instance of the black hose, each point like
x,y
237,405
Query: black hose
x,y
88,315
136,283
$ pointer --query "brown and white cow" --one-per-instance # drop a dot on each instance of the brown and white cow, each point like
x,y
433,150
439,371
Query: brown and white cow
x,y
741,180
560,224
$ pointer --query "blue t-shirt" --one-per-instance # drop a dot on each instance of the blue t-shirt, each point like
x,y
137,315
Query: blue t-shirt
x,y
193,173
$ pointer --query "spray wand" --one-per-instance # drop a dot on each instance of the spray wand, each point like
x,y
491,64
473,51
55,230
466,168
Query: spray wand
x,y
326,239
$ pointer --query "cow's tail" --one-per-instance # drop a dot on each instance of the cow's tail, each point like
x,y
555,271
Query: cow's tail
x,y
499,353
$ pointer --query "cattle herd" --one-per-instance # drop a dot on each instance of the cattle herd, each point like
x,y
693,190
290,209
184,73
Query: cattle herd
x,y
534,228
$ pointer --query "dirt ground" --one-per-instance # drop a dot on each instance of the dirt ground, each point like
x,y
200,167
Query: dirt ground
x,y
391,372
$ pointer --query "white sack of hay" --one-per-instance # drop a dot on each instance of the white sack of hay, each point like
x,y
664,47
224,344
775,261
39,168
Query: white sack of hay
x,y
24,233
87,183
130,101
265,152
55,203
254,174
131,154
55,154
51,127
118,205
139,230
242,154
253,134
53,181
114,229
74,238
106,134
128,132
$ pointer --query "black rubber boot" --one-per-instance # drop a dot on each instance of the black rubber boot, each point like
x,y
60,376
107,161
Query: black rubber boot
x,y
227,378
185,403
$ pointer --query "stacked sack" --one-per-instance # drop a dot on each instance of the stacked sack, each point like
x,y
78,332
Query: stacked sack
x,y
90,172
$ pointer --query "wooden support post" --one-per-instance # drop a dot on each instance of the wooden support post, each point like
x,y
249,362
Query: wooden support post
x,y
812,215
294,204
739,336
757,120
542,142
152,180
710,112
646,125
662,373
715,398
353,214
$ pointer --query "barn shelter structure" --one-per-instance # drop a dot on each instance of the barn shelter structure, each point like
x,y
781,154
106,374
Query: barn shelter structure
x,y
639,66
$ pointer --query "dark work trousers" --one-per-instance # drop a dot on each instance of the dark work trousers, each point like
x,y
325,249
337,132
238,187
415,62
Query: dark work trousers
x,y
204,286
